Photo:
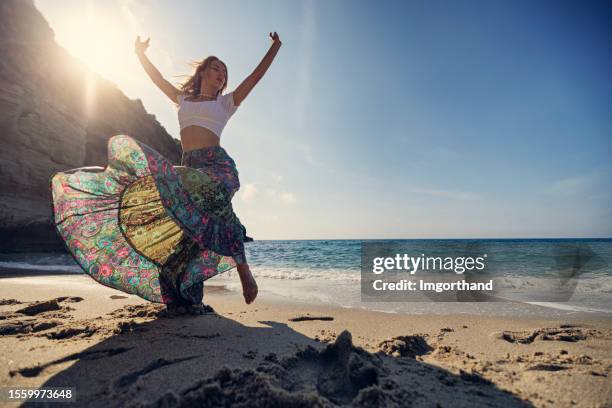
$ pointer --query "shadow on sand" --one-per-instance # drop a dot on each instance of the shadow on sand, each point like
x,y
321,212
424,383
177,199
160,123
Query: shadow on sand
x,y
211,360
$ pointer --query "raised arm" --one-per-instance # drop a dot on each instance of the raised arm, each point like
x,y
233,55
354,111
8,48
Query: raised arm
x,y
157,78
249,83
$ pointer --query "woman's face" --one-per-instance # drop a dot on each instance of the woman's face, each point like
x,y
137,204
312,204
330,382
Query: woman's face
x,y
215,75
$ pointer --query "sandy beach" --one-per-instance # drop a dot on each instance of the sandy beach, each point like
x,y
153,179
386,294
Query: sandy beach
x,y
119,350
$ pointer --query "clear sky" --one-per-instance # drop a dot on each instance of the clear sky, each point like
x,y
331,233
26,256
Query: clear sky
x,y
407,119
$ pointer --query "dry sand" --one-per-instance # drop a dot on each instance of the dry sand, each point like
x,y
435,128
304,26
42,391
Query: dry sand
x,y
118,350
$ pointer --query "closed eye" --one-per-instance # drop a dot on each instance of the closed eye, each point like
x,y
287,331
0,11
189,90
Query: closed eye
x,y
215,68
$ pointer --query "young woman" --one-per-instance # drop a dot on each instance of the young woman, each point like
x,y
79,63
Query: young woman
x,y
144,226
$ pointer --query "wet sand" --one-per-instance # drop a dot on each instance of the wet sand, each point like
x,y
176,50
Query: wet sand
x,y
120,350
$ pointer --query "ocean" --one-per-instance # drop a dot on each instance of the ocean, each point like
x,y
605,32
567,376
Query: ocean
x,y
329,272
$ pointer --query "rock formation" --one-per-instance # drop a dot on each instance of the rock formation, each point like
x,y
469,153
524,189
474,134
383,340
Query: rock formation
x,y
46,124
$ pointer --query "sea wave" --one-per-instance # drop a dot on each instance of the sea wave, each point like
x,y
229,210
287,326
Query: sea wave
x,y
40,267
597,284
337,275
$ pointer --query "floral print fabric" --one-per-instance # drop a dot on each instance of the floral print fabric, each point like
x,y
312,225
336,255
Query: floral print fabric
x,y
146,227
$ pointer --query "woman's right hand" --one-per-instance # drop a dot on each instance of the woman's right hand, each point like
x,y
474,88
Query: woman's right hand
x,y
141,46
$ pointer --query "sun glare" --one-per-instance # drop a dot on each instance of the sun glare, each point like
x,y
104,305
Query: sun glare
x,y
101,36
101,44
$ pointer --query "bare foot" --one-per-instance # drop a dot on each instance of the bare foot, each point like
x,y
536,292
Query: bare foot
x,y
249,286
173,310
200,309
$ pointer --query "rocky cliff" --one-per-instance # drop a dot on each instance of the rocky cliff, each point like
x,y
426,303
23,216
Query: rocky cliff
x,y
47,124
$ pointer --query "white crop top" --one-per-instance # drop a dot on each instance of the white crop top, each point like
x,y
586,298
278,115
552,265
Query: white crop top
x,y
212,115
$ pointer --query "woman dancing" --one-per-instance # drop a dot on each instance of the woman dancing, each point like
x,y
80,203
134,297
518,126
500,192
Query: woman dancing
x,y
144,226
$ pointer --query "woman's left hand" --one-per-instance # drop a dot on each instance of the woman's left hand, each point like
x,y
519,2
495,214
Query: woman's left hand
x,y
275,39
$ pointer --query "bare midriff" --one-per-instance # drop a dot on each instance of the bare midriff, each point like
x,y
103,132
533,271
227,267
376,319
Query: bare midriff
x,y
197,137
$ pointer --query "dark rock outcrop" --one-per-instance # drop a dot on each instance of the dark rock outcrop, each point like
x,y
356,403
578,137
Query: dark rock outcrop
x,y
48,124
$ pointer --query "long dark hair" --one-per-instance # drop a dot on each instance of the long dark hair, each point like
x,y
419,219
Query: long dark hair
x,y
192,85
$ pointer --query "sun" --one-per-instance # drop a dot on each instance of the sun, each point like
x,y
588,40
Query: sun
x,y
100,34
98,40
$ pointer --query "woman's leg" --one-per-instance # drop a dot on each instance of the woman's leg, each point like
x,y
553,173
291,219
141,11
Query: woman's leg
x,y
222,169
240,259
249,286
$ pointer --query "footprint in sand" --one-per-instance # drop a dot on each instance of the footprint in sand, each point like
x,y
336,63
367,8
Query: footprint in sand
x,y
70,299
39,307
36,308
24,327
38,317
309,318
406,346
564,333
8,302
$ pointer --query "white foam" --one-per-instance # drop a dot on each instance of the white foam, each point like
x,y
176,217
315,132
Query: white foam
x,y
589,285
306,274
565,306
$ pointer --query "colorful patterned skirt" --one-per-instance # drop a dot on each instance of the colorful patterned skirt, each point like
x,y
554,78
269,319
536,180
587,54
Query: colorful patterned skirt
x,y
146,227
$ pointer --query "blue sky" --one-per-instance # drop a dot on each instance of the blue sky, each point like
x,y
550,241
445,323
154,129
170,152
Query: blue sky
x,y
412,119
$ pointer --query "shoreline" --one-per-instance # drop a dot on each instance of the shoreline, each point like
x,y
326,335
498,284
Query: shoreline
x,y
229,281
